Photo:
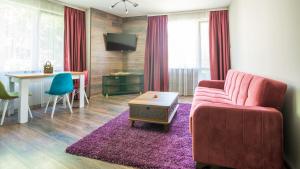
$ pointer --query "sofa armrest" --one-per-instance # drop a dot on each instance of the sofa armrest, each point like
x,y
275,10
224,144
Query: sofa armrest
x,y
239,135
218,84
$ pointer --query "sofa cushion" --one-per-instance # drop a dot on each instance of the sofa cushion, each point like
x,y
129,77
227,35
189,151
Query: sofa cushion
x,y
273,94
250,90
237,87
209,99
212,95
253,90
231,83
210,91
243,90
228,81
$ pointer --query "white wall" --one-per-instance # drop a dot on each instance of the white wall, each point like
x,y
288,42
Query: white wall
x,y
88,44
265,40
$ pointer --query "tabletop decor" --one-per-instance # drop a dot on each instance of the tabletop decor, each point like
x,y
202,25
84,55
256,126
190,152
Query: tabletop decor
x,y
48,67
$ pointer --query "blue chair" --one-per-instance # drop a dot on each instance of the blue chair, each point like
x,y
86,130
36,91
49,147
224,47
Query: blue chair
x,y
61,87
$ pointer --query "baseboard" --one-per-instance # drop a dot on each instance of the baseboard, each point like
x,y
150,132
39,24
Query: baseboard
x,y
288,164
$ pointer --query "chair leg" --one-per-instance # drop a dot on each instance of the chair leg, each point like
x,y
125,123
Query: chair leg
x,y
30,113
86,98
73,95
47,104
10,108
64,102
4,111
68,102
53,108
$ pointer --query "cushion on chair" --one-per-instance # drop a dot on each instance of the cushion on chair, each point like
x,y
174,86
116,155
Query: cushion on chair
x,y
61,84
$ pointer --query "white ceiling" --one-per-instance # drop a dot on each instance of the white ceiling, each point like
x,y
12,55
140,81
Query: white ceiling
x,y
148,7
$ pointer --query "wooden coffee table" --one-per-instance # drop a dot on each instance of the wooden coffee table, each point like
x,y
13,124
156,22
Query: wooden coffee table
x,y
154,107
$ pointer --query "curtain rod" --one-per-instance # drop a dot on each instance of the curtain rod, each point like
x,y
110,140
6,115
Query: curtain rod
x,y
68,5
218,9
190,12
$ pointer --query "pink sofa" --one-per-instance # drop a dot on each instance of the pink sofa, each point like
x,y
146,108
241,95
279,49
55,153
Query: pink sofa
x,y
237,123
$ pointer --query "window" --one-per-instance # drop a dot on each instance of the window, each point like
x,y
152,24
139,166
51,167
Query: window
x,y
188,51
51,40
183,44
204,51
188,44
29,36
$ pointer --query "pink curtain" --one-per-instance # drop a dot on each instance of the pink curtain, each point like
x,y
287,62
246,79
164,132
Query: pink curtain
x,y
219,44
156,55
74,40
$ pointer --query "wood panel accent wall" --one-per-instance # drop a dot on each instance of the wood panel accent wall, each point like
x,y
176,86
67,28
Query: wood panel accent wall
x,y
104,62
134,61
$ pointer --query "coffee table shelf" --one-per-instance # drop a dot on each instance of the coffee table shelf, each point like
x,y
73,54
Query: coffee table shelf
x,y
154,107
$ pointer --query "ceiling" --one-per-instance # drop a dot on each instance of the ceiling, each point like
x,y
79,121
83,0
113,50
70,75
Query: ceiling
x,y
150,7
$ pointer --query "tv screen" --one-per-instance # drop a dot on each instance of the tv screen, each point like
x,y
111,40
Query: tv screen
x,y
120,42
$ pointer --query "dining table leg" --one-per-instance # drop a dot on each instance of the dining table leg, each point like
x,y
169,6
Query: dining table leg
x,y
81,91
11,89
23,106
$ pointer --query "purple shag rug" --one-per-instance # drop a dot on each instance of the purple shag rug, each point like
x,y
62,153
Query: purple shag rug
x,y
145,146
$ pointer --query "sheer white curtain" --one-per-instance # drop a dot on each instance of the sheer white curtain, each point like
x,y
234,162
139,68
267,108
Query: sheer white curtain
x,y
188,51
31,33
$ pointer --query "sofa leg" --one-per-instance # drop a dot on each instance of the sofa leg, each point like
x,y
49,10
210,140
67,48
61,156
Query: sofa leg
x,y
201,166
205,166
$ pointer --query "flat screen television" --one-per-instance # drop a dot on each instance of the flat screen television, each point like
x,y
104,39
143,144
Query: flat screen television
x,y
120,42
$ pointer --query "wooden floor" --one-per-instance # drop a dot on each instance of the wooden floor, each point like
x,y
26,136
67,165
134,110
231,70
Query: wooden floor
x,y
41,143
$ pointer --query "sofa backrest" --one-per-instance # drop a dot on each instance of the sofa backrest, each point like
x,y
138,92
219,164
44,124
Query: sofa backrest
x,y
252,90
